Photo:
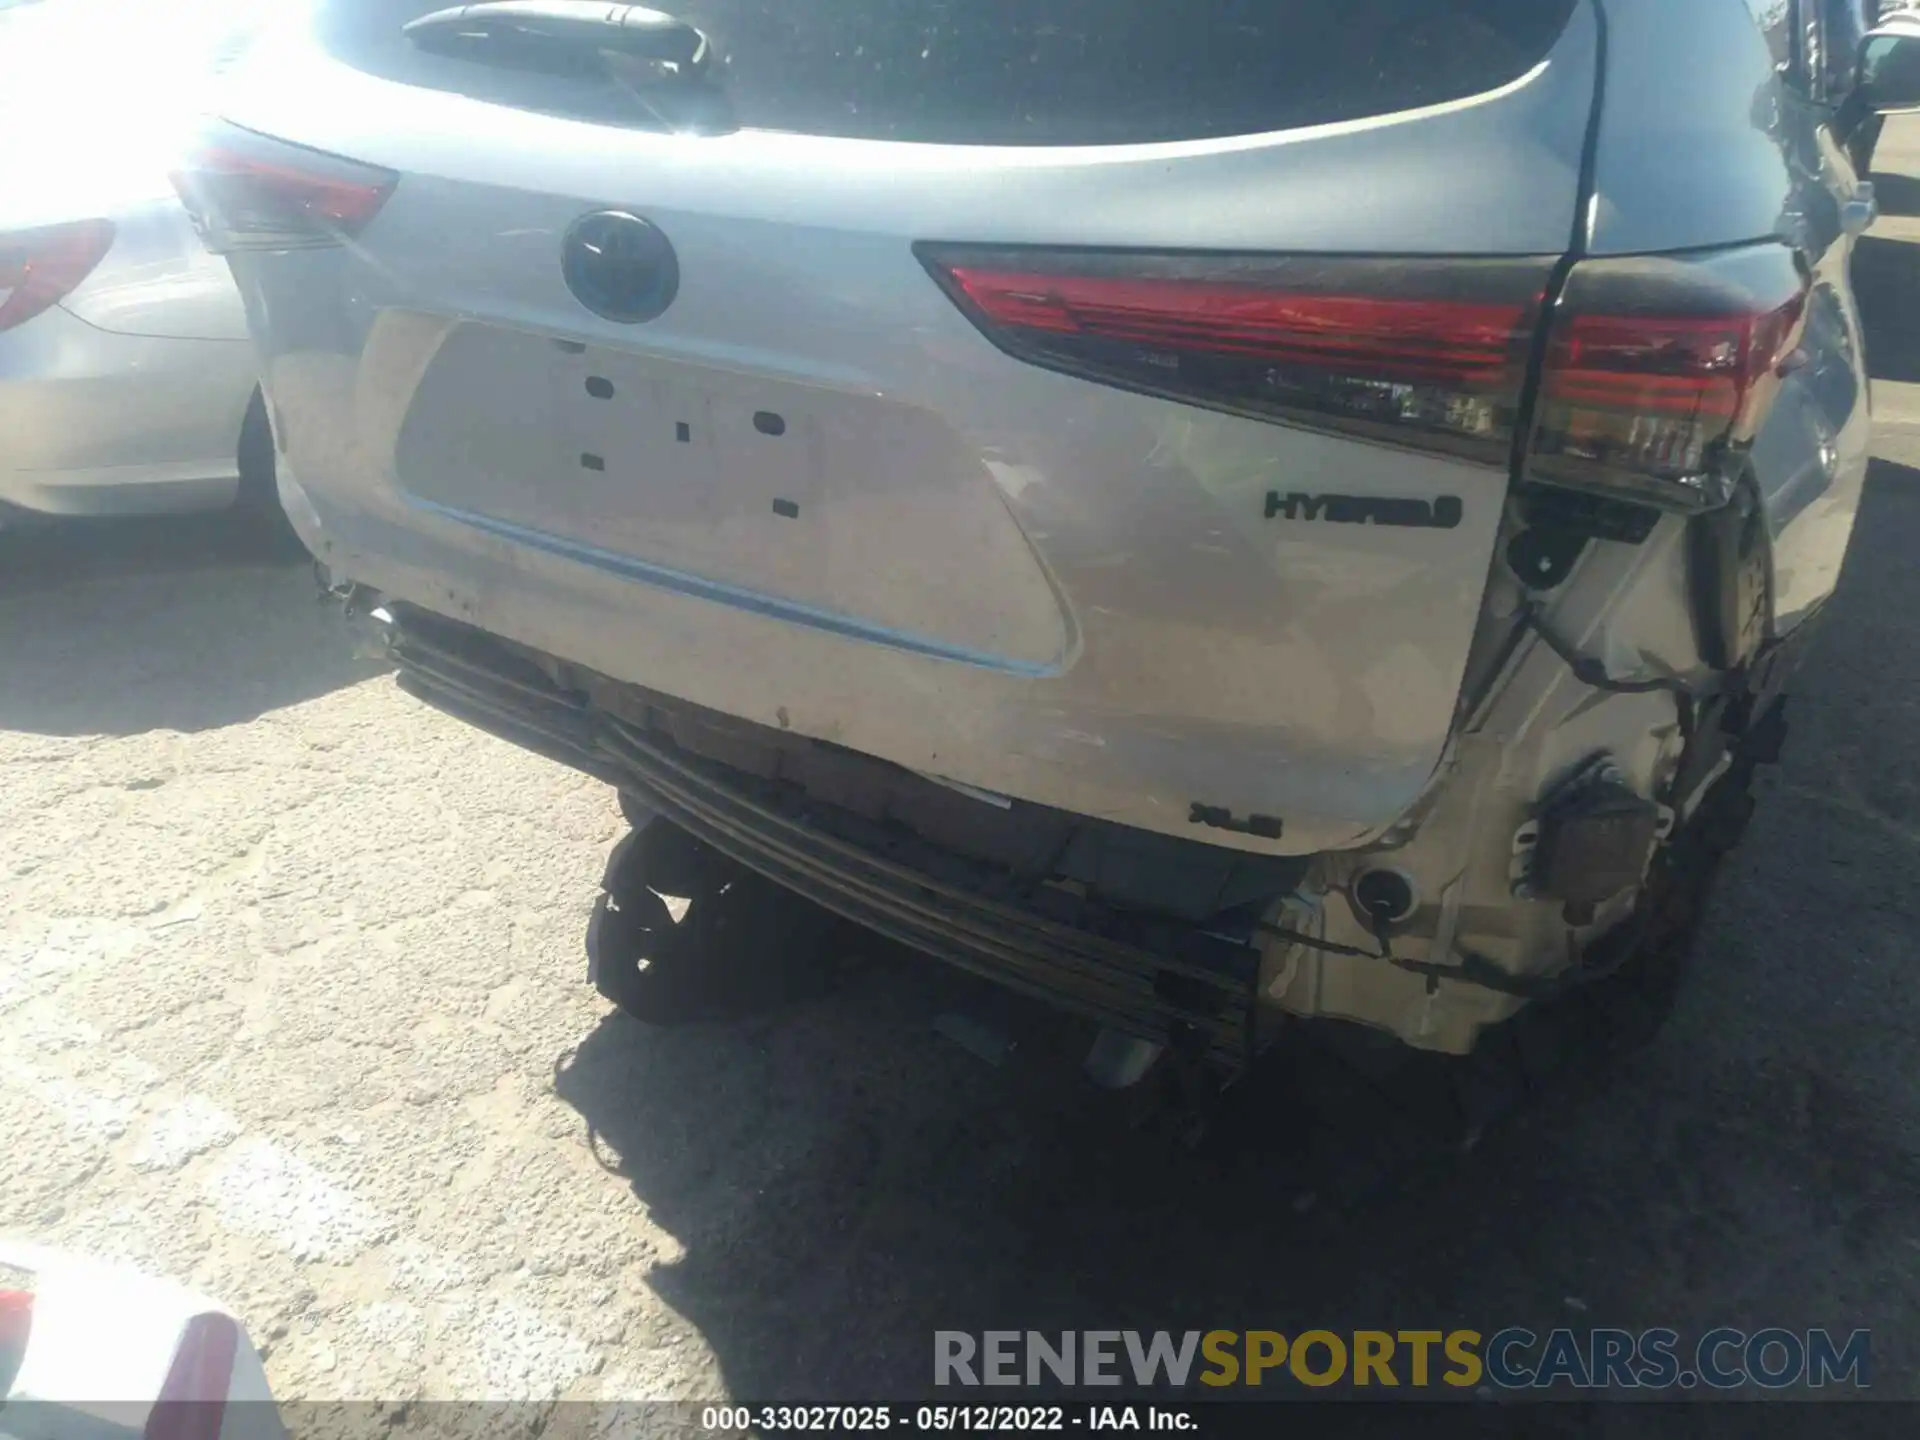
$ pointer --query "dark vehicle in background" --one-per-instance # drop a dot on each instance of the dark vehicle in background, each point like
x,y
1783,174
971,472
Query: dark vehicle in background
x,y
1207,514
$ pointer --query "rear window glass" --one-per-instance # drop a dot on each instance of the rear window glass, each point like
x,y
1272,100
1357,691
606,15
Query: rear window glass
x,y
1037,72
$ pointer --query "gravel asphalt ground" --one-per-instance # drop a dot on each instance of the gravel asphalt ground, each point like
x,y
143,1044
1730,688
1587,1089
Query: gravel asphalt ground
x,y
293,1007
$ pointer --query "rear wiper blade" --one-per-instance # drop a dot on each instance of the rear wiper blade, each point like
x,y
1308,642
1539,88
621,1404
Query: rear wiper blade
x,y
521,32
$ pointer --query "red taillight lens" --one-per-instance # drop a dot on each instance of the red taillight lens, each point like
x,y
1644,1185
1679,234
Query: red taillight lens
x,y
16,1321
1427,352
39,268
1660,369
193,1398
248,192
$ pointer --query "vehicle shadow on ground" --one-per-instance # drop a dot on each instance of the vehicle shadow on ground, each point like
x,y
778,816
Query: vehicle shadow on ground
x,y
1897,194
183,623
1886,278
1886,282
845,1181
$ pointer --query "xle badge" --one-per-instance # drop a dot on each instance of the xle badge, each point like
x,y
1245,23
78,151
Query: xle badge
x,y
1443,512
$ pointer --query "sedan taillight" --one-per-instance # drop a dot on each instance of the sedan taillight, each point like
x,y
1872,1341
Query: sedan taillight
x,y
1431,353
248,192
193,1397
16,1324
39,268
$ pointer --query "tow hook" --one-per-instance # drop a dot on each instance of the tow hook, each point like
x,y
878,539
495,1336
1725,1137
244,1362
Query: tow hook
x,y
363,607
357,599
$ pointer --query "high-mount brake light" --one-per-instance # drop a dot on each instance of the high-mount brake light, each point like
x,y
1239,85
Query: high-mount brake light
x,y
249,192
1659,370
1421,352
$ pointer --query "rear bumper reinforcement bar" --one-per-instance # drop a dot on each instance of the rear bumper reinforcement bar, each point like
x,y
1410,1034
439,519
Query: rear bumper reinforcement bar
x,y
1163,980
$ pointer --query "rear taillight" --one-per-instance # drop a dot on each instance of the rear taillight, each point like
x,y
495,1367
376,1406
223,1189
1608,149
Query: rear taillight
x,y
248,192
1415,351
39,268
193,1397
1659,370
16,1321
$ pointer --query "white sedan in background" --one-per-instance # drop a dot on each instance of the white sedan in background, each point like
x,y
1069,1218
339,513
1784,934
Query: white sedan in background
x,y
127,382
102,1351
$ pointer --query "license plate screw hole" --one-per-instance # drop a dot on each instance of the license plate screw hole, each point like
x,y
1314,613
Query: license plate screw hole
x,y
599,387
768,423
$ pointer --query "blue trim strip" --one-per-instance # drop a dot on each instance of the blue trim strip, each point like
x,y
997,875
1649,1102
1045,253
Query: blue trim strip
x,y
681,583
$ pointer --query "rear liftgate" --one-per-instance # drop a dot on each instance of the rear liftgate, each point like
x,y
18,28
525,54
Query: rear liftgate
x,y
1423,355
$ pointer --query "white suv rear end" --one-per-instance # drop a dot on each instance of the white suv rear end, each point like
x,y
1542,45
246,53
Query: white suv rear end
x,y
1037,477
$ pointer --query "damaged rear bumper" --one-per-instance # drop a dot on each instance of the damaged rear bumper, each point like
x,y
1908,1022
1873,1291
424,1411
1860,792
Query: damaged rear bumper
x,y
1164,979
